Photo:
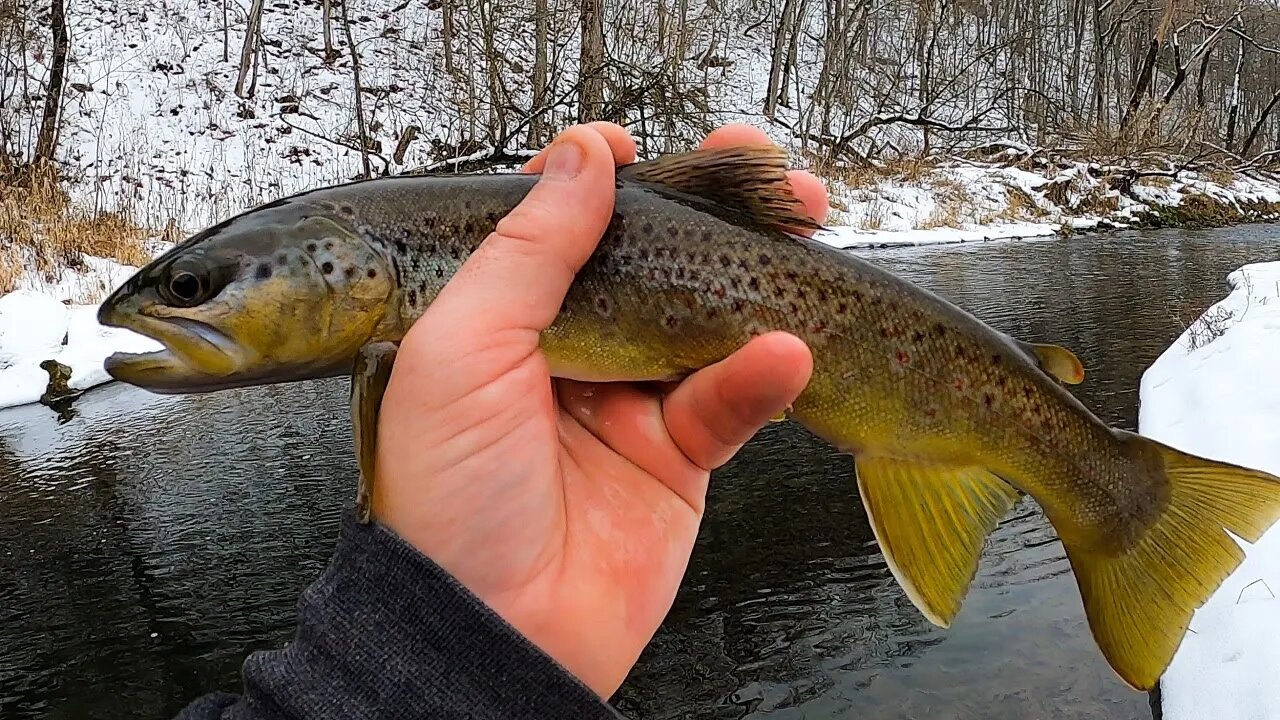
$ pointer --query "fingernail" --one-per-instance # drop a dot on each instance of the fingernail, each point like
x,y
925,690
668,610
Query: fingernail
x,y
564,162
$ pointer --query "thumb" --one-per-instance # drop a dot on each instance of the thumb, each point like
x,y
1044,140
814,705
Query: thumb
x,y
517,278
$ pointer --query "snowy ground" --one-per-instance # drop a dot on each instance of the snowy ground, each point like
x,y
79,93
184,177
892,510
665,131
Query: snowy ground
x,y
42,321
1214,393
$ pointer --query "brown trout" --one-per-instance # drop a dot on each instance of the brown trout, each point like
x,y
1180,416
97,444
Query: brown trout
x,y
943,415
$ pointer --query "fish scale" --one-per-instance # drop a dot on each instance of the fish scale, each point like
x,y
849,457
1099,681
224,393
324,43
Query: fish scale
x,y
944,416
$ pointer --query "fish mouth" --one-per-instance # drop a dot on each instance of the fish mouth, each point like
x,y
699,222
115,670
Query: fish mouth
x,y
196,357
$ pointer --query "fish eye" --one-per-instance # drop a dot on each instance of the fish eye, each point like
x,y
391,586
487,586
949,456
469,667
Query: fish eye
x,y
185,288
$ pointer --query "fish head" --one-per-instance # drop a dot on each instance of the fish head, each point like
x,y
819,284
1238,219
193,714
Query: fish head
x,y
286,292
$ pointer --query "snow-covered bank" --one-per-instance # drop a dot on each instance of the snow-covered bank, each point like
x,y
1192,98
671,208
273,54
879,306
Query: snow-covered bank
x,y
42,321
1017,197
1214,393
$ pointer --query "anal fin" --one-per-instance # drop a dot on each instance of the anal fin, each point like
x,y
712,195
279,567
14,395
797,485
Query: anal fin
x,y
369,379
931,522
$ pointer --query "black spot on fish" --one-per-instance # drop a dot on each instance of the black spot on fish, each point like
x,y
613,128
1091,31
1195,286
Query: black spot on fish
x,y
372,273
604,305
328,246
725,261
349,272
439,272
988,399
647,228
401,247
706,236
765,259
347,210
822,296
670,321
842,308
939,329
326,268
466,204
282,260
263,272
453,252
857,296
311,247
753,284
917,336
413,298
996,359
673,230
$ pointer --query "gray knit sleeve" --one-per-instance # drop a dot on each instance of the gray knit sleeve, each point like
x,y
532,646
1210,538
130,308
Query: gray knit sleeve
x,y
386,633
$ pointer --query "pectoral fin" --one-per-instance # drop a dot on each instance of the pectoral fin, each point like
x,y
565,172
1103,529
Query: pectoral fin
x,y
931,522
1057,361
369,380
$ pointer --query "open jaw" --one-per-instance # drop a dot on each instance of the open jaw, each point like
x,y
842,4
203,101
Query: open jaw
x,y
196,357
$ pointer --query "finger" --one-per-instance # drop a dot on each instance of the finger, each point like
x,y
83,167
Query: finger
x,y
808,189
620,142
735,134
812,192
627,417
721,406
521,272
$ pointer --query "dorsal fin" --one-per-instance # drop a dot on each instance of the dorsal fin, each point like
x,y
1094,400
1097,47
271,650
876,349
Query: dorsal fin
x,y
1056,360
747,179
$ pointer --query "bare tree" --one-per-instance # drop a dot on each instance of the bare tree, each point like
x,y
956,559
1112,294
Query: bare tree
x,y
591,60
536,121
48,138
358,91
249,51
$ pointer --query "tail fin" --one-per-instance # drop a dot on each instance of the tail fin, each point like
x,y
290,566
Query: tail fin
x,y
1140,601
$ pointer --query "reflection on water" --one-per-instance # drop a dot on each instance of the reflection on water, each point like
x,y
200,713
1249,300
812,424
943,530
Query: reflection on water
x,y
152,542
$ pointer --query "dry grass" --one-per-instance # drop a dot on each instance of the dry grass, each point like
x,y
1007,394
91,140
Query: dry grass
x,y
955,204
1226,177
41,230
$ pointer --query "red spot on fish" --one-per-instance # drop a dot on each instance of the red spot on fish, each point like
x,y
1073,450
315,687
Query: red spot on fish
x,y
903,357
988,400
959,384
720,291
818,327
930,413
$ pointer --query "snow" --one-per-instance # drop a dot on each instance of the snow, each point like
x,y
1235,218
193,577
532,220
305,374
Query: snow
x,y
36,325
1214,395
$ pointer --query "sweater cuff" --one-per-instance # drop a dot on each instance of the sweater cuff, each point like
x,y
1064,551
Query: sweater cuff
x,y
385,632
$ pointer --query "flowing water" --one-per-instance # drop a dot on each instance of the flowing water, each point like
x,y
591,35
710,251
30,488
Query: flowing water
x,y
151,542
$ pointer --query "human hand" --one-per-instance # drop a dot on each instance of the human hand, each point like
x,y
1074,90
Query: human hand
x,y
569,508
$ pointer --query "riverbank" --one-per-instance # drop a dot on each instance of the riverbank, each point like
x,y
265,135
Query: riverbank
x,y
1213,393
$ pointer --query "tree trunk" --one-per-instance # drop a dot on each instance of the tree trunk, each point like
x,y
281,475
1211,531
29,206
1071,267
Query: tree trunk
x,y
447,31
359,91
536,122
326,9
226,35
1233,112
1257,126
250,48
48,140
778,58
591,61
